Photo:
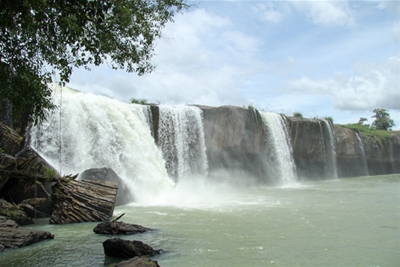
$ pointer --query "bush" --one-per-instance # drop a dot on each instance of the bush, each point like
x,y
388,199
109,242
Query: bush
x,y
298,115
139,101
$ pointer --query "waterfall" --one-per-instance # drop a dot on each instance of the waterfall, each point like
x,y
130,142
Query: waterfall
x,y
362,152
331,149
93,131
280,145
181,138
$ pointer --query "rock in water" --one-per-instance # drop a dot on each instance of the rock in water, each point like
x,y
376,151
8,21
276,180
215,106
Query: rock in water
x,y
82,201
138,262
13,236
117,247
119,228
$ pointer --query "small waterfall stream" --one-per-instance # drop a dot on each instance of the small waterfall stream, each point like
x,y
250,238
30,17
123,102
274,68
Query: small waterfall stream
x,y
330,150
181,138
362,152
97,131
279,141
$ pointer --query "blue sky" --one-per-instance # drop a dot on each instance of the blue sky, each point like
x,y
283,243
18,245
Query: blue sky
x,y
321,58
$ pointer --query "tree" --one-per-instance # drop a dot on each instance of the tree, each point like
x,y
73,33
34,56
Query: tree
x,y
382,119
41,37
362,120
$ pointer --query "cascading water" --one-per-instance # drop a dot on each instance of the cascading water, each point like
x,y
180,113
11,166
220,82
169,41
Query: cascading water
x,y
94,131
181,138
331,150
279,141
362,152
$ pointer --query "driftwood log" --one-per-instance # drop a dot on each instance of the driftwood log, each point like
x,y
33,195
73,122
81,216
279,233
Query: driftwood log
x,y
82,201
12,235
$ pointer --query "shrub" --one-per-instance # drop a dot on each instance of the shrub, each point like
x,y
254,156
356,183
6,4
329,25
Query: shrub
x,y
298,115
139,101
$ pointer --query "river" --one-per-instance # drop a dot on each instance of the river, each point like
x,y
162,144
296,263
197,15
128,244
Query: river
x,y
341,222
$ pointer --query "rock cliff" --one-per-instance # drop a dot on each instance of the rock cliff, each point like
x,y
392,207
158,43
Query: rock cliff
x,y
237,144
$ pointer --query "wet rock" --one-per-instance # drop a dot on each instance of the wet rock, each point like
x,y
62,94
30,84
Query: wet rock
x,y
14,213
138,262
117,247
119,228
82,201
13,236
124,195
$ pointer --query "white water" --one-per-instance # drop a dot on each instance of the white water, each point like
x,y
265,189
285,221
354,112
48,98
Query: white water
x,y
362,152
331,151
281,148
181,139
97,131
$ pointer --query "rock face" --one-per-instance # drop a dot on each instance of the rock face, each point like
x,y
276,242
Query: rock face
x,y
82,201
13,236
235,141
117,247
124,195
14,212
310,148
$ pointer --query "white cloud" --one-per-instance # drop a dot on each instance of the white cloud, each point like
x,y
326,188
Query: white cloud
x,y
202,59
327,13
396,31
371,86
271,11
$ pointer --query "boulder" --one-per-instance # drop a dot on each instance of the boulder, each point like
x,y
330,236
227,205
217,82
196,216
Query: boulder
x,y
117,247
13,236
138,262
82,201
124,195
14,213
119,228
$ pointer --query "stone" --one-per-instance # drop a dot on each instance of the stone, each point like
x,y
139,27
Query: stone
x,y
119,228
14,213
124,195
138,262
82,201
117,247
13,236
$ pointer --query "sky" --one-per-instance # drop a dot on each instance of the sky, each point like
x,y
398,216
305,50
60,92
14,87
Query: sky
x,y
338,59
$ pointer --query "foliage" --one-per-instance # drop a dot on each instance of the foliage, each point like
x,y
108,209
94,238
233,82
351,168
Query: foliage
x,y
362,120
139,101
365,129
49,173
251,107
382,120
43,35
330,119
298,115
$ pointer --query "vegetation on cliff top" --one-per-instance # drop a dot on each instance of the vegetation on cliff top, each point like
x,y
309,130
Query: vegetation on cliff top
x,y
381,126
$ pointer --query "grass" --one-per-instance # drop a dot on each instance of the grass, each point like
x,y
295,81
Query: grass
x,y
367,130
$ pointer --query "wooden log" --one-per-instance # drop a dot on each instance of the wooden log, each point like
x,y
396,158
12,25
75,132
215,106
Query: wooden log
x,y
82,201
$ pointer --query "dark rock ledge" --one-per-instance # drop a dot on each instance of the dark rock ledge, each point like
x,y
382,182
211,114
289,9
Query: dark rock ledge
x,y
14,236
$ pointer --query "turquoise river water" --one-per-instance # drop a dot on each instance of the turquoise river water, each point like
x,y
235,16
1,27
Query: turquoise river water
x,y
343,222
